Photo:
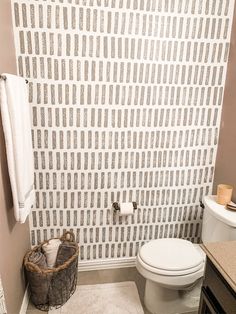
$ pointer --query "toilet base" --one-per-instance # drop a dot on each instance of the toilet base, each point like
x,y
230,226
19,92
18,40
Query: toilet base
x,y
159,300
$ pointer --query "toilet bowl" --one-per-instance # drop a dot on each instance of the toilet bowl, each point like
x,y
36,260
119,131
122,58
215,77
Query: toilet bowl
x,y
173,269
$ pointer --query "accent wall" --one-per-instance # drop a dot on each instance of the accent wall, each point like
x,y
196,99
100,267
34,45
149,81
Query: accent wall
x,y
126,100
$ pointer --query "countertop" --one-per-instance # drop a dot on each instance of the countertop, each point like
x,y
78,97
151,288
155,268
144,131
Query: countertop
x,y
223,256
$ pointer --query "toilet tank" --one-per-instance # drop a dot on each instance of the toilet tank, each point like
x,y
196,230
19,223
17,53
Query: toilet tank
x,y
219,223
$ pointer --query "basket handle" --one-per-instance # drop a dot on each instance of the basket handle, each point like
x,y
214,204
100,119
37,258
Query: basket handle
x,y
33,267
68,236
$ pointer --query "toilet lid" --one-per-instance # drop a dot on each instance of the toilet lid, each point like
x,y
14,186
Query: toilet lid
x,y
171,255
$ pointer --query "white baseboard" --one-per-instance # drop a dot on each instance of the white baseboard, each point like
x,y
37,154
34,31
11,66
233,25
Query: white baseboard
x,y
25,301
106,264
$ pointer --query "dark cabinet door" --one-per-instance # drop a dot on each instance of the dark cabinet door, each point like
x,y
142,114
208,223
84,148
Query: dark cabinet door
x,y
217,295
208,304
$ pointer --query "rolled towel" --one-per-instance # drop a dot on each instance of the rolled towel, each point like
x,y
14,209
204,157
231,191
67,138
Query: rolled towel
x,y
39,287
65,251
50,250
39,259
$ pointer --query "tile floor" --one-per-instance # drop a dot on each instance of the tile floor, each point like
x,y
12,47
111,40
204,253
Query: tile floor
x,y
106,276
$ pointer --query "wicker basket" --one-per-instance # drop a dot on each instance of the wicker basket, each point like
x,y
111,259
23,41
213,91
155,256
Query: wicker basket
x,y
52,287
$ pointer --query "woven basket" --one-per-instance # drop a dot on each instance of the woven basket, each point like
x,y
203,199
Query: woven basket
x,y
52,287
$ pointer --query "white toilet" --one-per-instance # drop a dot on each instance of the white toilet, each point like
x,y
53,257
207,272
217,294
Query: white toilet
x,y
174,268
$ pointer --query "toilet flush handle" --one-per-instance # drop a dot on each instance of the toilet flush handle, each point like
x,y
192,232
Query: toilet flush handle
x,y
201,204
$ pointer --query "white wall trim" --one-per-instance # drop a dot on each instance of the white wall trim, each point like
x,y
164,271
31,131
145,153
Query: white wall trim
x,y
106,264
25,301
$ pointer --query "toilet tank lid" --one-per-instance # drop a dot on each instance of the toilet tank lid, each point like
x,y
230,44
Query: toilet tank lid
x,y
219,211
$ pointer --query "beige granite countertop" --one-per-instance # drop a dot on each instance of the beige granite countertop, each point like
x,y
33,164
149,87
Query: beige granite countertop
x,y
223,256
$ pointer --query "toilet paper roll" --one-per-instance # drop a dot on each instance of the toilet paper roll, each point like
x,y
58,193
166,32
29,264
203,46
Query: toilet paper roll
x,y
126,209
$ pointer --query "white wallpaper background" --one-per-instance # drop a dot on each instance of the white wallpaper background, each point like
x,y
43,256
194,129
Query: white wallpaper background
x,y
126,99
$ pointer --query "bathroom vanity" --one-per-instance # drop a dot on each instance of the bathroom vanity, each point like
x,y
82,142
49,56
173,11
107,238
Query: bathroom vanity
x,y
218,293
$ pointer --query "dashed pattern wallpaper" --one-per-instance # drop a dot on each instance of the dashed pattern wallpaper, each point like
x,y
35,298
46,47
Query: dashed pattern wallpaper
x,y
126,100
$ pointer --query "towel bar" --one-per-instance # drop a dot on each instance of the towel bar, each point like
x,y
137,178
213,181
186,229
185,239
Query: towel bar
x,y
3,77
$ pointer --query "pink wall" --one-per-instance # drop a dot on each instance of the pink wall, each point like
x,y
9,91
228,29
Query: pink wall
x,y
225,170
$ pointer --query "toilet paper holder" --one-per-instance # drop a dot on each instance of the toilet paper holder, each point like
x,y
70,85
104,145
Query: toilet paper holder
x,y
116,206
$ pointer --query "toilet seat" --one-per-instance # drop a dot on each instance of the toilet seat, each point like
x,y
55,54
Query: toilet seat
x,y
170,257
171,282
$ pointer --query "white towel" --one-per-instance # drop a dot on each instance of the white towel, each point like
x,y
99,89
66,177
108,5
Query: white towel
x,y
16,120
50,249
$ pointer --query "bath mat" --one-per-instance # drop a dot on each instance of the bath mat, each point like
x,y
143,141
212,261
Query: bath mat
x,y
109,298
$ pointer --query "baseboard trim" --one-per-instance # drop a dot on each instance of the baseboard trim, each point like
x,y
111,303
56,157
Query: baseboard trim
x,y
106,264
25,301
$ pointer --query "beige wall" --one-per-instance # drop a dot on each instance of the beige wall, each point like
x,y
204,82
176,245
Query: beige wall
x,y
14,237
225,170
